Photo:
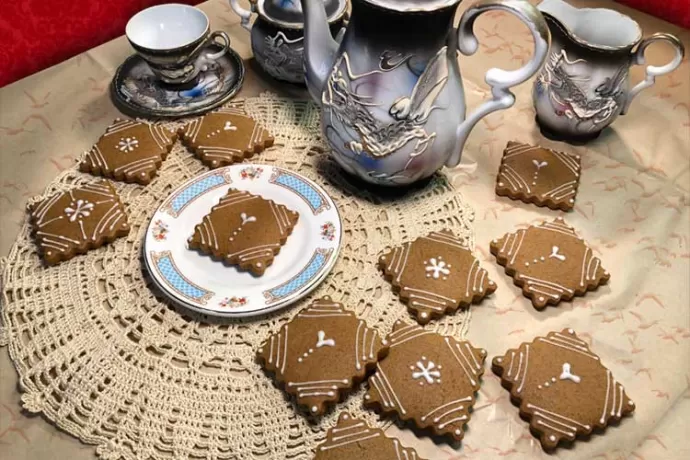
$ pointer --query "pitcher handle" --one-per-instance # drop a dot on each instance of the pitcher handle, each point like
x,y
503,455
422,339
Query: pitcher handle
x,y
652,71
499,80
245,15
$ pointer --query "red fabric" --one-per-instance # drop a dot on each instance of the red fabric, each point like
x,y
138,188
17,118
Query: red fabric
x,y
36,34
675,11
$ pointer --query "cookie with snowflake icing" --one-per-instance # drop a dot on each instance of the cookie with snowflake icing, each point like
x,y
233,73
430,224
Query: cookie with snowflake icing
x,y
435,274
427,378
321,354
550,262
73,222
562,388
539,175
225,137
355,439
129,151
244,230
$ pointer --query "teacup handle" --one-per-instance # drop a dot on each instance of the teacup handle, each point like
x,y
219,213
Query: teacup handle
x,y
245,15
500,80
202,62
652,71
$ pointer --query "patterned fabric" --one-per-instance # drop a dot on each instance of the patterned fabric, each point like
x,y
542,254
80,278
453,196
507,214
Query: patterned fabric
x,y
35,34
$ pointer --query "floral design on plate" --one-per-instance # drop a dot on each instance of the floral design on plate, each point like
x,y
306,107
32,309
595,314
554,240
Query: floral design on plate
x,y
233,302
160,230
251,172
328,231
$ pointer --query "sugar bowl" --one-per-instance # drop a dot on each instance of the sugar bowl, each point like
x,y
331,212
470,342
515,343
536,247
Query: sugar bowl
x,y
277,35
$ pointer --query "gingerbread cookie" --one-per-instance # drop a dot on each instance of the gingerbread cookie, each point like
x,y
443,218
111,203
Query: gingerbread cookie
x,y
73,222
539,175
225,137
550,262
244,230
435,274
561,387
353,439
129,151
323,352
427,378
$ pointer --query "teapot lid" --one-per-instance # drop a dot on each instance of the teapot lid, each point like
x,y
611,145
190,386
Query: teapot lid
x,y
288,13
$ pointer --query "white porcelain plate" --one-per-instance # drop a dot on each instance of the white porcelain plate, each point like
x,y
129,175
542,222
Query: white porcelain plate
x,y
196,281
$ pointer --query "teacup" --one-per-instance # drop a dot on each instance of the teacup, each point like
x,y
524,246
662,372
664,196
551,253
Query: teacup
x,y
171,39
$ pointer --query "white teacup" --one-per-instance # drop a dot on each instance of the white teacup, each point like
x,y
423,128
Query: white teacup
x,y
171,38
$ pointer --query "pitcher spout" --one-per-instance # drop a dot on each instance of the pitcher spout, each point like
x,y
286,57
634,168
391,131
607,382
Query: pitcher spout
x,y
320,48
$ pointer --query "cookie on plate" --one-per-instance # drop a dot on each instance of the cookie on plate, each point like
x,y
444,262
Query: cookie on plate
x,y
73,222
550,262
539,175
244,230
428,379
435,274
225,137
562,388
321,354
354,439
129,151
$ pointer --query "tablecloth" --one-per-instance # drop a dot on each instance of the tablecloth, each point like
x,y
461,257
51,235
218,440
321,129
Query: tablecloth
x,y
633,206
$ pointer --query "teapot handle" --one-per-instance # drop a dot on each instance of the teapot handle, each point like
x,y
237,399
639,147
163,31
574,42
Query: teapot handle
x,y
652,71
500,80
245,15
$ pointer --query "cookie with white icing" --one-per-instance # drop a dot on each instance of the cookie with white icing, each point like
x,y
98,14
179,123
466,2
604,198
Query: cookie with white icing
x,y
321,354
562,388
435,274
225,137
539,175
244,230
353,439
550,262
427,378
129,151
73,222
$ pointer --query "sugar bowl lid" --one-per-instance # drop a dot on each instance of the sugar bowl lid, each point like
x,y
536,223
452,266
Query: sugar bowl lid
x,y
288,13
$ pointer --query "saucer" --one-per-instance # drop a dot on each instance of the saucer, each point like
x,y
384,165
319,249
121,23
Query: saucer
x,y
196,281
136,92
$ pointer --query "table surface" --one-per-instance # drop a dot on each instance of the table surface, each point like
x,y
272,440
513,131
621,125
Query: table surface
x,y
633,206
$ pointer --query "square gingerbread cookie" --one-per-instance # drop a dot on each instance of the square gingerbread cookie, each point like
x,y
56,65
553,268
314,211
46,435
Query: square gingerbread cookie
x,y
539,175
76,221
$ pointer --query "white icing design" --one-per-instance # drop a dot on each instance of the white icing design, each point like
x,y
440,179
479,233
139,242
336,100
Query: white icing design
x,y
229,126
323,341
436,267
127,144
568,375
82,208
555,255
427,371
539,164
246,220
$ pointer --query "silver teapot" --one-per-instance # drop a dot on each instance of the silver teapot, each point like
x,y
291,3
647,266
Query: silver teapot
x,y
277,34
391,95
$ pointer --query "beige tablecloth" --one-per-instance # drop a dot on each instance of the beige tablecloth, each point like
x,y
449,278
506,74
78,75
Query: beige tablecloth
x,y
633,206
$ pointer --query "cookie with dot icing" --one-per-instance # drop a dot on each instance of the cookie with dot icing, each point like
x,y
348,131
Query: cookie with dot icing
x,y
435,274
562,388
550,262
427,378
225,137
244,230
355,439
129,151
321,354
78,220
539,175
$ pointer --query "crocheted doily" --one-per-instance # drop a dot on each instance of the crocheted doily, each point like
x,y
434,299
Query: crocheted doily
x,y
107,359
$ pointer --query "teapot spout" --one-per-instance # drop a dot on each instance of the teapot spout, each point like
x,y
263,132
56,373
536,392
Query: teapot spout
x,y
320,48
